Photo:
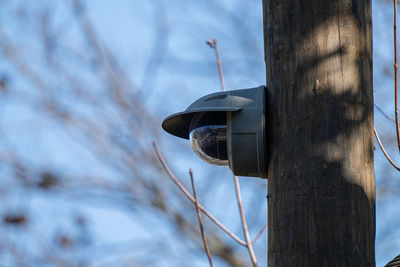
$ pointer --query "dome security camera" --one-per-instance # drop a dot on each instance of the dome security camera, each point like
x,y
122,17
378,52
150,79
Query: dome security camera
x,y
226,128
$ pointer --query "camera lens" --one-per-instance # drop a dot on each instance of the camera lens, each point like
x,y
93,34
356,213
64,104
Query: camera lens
x,y
210,143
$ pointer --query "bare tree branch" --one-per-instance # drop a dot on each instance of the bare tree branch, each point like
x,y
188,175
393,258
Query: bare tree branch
x,y
244,223
191,198
203,235
384,151
259,234
396,100
213,44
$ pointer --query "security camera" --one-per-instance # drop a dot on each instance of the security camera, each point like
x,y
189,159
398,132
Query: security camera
x,y
226,128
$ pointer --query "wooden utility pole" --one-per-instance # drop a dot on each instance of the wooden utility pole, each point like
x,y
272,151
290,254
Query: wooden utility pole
x,y
321,190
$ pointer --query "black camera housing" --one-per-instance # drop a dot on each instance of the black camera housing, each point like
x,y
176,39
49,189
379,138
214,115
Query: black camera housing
x,y
242,112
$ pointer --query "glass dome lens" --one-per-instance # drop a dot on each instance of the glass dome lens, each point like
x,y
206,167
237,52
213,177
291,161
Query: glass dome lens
x,y
210,143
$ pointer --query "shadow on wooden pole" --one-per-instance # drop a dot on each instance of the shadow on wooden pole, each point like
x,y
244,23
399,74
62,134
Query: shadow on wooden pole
x,y
321,189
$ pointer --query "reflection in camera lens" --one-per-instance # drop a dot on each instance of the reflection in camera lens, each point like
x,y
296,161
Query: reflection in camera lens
x,y
210,143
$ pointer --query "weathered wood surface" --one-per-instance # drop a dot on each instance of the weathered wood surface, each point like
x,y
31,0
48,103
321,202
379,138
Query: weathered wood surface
x,y
321,189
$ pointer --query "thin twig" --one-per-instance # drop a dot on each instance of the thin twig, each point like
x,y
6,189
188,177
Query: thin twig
x,y
384,113
259,234
396,102
384,151
213,43
244,223
191,198
203,234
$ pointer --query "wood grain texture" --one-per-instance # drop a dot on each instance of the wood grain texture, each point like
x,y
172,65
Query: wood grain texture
x,y
321,188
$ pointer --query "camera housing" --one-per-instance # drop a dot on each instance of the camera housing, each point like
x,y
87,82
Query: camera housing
x,y
226,128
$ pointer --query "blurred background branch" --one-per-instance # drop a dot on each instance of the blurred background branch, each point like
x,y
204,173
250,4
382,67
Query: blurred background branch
x,y
77,145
